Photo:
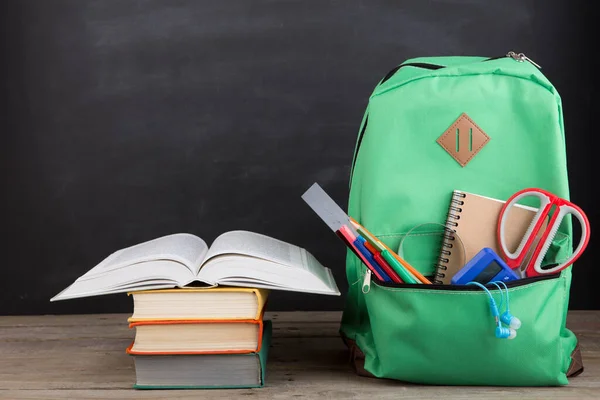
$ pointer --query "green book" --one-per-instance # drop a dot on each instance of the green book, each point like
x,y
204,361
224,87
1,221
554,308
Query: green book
x,y
205,371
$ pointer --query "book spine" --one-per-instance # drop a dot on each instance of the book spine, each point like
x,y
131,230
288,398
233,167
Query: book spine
x,y
449,242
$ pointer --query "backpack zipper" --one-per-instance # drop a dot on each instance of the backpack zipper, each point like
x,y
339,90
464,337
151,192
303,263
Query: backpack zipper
x,y
520,57
416,65
366,287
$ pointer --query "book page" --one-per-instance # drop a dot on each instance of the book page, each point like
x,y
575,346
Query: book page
x,y
318,270
159,273
256,245
248,271
167,261
183,248
241,258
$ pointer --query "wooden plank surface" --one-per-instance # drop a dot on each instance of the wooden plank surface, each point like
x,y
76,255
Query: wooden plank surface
x,y
83,357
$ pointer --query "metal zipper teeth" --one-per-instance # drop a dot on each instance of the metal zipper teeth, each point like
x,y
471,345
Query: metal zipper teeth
x,y
463,288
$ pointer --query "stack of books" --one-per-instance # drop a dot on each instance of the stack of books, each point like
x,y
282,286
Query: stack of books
x,y
200,338
214,336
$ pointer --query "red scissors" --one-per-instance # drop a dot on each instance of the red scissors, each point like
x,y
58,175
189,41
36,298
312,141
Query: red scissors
x,y
547,201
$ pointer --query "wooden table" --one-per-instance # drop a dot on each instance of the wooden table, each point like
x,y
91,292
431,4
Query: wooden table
x,y
83,357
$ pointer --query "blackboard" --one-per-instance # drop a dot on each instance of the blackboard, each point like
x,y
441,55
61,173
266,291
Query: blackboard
x,y
128,120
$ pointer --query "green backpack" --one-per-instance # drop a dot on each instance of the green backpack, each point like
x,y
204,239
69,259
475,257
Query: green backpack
x,y
402,178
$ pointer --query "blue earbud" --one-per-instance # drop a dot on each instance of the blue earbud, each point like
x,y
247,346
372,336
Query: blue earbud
x,y
500,332
505,333
507,318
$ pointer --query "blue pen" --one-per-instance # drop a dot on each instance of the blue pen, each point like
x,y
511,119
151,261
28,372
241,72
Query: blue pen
x,y
360,245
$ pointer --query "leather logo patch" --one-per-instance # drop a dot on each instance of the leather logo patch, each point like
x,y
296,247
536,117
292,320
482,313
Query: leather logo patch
x,y
463,140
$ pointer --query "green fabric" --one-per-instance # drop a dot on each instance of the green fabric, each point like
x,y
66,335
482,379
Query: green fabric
x,y
262,355
403,178
447,337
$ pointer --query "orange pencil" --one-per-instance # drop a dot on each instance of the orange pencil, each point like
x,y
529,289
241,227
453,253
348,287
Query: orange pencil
x,y
370,237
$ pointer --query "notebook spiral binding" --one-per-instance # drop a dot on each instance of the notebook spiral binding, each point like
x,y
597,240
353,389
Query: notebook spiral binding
x,y
451,223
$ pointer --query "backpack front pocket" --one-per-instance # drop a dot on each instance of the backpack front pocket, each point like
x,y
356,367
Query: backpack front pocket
x,y
444,334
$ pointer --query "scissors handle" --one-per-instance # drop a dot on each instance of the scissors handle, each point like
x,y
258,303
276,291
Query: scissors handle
x,y
563,208
535,265
516,258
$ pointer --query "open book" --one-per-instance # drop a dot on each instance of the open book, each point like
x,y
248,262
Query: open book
x,y
236,258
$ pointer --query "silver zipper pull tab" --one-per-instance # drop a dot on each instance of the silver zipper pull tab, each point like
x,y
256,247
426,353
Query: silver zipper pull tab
x,y
514,56
530,60
366,286
521,57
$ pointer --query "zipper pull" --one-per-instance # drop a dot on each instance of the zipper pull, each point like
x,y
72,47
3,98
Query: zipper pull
x,y
521,57
366,286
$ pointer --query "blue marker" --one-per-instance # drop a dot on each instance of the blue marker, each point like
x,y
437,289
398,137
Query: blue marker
x,y
359,243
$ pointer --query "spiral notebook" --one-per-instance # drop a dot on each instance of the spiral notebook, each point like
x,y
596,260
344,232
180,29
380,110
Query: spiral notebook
x,y
474,218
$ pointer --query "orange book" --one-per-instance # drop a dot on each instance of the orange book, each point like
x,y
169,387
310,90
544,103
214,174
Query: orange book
x,y
196,337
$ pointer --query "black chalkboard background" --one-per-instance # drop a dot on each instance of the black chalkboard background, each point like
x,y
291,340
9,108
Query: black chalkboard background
x,y
128,120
